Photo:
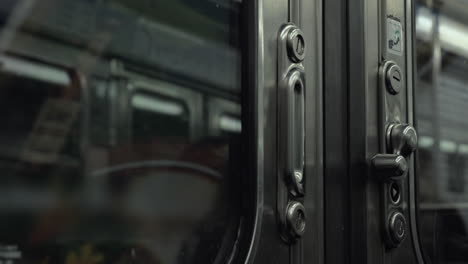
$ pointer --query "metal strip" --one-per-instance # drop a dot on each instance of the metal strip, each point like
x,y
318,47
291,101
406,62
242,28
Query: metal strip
x,y
295,17
295,12
310,18
410,110
258,127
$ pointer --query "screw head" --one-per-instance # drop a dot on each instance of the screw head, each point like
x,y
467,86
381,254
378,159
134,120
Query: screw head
x,y
394,79
299,44
296,45
397,227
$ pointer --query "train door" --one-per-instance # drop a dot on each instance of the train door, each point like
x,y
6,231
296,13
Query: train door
x,y
395,143
370,201
390,135
160,132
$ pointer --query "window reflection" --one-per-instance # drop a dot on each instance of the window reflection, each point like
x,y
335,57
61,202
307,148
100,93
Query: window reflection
x,y
230,124
156,105
441,93
121,131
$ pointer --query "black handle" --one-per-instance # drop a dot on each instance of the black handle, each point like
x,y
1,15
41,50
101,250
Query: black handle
x,y
390,166
293,127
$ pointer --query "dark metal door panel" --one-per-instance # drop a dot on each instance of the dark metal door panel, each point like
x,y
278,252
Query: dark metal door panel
x,y
384,39
267,246
270,241
360,110
311,22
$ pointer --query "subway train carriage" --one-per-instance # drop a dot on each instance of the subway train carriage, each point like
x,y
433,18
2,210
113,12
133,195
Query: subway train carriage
x,y
233,131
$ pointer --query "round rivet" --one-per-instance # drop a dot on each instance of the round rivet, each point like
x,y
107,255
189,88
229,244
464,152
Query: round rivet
x,y
397,227
296,219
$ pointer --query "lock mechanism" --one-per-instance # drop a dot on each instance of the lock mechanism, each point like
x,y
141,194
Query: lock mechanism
x,y
392,168
399,141
402,141
392,165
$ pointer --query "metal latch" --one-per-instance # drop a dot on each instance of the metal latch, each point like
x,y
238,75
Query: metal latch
x,y
398,141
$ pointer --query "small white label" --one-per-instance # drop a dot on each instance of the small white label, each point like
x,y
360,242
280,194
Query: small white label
x,y
394,37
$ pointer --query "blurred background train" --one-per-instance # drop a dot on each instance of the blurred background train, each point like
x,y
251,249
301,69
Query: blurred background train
x,y
149,131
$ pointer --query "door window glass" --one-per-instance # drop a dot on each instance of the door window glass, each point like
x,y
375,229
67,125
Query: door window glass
x,y
121,131
441,96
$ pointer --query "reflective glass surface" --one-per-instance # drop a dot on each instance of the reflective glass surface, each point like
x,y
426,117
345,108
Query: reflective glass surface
x,y
441,102
120,135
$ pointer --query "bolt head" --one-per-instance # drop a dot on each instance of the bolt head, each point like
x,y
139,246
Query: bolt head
x,y
296,45
394,79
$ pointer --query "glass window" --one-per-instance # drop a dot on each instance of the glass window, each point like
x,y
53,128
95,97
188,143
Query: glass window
x,y
121,131
441,97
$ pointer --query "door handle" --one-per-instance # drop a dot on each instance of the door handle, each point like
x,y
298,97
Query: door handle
x,y
291,132
402,141
293,91
390,166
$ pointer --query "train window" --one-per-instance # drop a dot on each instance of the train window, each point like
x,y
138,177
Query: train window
x,y
121,133
440,102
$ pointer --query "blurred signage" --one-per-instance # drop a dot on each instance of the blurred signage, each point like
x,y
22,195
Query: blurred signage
x,y
50,131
